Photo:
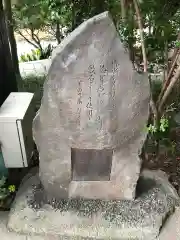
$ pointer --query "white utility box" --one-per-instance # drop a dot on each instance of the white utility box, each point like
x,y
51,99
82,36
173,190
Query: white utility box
x,y
16,116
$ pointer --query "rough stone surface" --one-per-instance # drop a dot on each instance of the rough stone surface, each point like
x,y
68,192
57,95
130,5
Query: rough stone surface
x,y
5,234
122,220
93,100
171,229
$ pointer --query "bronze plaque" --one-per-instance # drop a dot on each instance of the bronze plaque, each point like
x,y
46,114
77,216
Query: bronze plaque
x,y
91,164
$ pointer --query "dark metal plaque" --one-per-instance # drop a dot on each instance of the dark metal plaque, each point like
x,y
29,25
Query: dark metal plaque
x,y
91,164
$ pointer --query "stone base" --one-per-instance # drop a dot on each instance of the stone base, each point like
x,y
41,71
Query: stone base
x,y
171,229
95,219
5,234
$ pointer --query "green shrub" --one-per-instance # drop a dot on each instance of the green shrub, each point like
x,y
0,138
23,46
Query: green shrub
x,y
33,84
5,190
47,52
34,55
37,54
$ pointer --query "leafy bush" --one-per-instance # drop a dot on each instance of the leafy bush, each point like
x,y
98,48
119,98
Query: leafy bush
x,y
5,190
163,126
46,53
33,84
37,54
32,56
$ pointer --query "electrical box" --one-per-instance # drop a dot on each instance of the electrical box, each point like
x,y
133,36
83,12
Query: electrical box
x,y
16,116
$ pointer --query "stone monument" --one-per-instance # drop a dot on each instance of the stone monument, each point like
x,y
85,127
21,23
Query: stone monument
x,y
90,126
89,132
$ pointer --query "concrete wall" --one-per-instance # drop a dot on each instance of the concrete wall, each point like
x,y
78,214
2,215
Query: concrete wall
x,y
38,68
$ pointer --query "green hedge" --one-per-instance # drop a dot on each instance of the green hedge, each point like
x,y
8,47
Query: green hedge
x,y
33,84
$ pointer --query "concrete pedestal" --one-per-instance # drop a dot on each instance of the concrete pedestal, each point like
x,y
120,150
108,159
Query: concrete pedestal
x,y
34,215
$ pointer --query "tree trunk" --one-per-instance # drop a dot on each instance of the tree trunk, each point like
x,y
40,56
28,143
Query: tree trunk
x,y
73,25
123,10
140,24
12,41
8,77
58,33
168,79
166,62
167,92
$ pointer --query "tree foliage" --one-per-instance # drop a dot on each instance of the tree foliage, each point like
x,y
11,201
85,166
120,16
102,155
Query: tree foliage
x,y
160,19
33,16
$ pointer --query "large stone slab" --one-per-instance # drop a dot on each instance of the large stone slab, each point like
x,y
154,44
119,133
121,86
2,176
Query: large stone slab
x,y
5,234
97,219
89,129
171,229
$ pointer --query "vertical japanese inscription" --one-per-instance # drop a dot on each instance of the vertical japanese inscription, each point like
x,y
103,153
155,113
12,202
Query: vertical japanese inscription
x,y
100,90
79,101
103,72
113,82
91,74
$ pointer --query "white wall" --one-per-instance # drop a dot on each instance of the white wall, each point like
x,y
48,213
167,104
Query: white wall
x,y
38,68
